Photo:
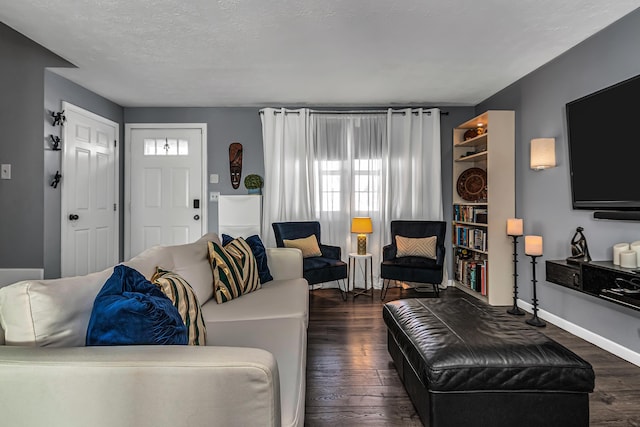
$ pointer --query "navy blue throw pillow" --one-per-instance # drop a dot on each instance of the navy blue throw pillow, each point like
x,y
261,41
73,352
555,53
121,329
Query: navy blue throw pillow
x,y
130,310
259,252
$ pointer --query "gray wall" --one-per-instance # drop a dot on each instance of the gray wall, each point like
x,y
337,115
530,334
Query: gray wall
x,y
56,90
543,199
224,126
227,125
22,64
456,116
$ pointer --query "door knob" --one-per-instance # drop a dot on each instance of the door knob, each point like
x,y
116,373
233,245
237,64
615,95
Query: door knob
x,y
196,217
73,217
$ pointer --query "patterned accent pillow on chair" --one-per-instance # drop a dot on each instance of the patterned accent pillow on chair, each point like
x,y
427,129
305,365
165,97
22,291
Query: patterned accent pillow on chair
x,y
424,247
185,300
308,245
235,271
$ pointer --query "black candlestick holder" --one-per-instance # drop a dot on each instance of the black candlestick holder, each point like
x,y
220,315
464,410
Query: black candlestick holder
x,y
535,320
515,310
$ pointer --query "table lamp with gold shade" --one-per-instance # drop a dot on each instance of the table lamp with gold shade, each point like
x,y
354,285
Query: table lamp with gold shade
x,y
361,226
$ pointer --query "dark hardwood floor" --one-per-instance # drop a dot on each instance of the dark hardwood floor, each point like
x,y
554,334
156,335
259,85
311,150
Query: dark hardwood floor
x,y
351,380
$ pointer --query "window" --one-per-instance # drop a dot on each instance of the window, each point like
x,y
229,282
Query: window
x,y
166,147
328,194
365,183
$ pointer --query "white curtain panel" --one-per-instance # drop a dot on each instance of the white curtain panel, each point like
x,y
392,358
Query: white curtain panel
x,y
333,167
414,165
347,174
286,191
414,175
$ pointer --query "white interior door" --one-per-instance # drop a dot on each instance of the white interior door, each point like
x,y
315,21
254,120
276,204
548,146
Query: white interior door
x,y
89,228
166,186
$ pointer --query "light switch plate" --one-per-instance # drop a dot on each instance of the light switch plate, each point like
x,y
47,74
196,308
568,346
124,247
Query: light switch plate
x,y
5,171
213,178
213,196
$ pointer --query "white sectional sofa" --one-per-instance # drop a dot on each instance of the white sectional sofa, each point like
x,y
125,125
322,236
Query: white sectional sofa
x,y
251,373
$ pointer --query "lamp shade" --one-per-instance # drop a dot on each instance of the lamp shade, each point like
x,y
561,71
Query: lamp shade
x,y
361,225
543,153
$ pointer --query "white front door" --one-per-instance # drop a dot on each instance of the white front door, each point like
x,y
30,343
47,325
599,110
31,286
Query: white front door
x,y
89,228
165,182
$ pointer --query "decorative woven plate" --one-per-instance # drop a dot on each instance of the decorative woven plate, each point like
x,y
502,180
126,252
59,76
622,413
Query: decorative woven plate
x,y
472,185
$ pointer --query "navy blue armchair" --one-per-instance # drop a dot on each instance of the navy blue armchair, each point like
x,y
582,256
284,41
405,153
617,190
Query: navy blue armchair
x,y
320,269
413,268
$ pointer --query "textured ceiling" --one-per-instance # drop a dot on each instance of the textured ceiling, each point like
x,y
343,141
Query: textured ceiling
x,y
313,52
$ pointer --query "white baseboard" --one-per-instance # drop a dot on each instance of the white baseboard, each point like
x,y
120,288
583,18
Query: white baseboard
x,y
9,276
585,334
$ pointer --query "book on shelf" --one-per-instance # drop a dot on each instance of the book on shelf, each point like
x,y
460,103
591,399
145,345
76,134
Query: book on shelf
x,y
470,237
472,274
466,213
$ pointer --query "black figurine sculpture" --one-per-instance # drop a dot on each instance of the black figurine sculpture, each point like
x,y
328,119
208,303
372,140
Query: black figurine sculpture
x,y
579,248
55,140
58,118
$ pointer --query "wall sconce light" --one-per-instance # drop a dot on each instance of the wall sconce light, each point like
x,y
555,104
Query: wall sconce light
x,y
543,153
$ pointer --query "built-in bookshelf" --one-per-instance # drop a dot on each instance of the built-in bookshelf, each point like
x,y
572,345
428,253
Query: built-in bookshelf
x,y
483,200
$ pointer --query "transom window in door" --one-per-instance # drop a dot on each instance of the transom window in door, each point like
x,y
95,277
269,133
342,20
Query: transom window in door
x,y
166,147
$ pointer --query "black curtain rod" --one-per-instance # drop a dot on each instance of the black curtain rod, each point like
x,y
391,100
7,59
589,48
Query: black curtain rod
x,y
428,113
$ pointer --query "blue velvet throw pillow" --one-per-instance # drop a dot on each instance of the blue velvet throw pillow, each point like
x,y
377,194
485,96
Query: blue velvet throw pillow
x,y
259,252
130,310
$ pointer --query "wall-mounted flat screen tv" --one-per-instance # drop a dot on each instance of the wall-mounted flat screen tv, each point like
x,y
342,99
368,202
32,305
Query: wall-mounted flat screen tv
x,y
604,148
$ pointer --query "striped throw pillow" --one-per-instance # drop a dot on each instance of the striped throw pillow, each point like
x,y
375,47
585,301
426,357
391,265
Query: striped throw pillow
x,y
424,247
235,271
185,300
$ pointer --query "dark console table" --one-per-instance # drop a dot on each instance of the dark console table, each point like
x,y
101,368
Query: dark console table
x,y
601,279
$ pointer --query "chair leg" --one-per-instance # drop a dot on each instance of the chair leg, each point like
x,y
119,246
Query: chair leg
x,y
383,292
342,293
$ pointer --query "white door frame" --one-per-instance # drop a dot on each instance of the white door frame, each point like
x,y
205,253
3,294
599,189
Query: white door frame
x,y
64,223
204,200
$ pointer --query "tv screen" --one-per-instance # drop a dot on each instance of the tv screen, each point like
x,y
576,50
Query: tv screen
x,y
604,148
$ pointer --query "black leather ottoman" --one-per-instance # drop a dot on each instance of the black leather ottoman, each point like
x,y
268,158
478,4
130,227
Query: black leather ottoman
x,y
464,363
